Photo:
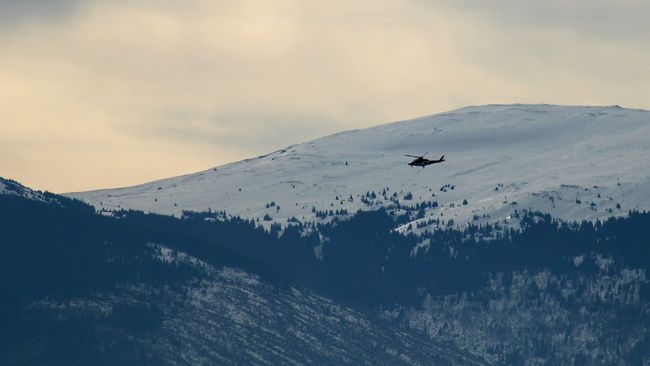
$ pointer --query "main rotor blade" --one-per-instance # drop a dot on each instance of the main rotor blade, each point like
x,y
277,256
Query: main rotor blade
x,y
413,156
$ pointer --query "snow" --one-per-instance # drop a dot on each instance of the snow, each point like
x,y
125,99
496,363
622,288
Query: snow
x,y
13,188
500,158
171,256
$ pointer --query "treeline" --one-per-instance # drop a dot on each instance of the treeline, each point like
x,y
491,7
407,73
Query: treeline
x,y
362,260
63,249
66,249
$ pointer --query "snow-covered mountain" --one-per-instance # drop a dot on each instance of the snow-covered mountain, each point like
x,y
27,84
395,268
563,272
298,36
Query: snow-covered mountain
x,y
572,162
151,289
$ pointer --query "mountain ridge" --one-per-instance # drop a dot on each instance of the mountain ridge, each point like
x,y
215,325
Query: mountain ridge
x,y
500,158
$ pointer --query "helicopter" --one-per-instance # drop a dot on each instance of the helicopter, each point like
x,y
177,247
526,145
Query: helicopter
x,y
422,161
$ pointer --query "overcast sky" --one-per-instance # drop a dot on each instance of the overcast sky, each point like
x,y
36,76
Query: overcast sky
x,y
98,93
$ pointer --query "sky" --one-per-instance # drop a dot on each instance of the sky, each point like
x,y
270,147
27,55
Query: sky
x,y
98,94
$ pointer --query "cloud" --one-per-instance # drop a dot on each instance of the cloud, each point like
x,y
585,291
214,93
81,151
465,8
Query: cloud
x,y
244,130
14,12
597,18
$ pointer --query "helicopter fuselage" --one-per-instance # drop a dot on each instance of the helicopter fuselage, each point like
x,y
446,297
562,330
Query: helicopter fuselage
x,y
424,162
